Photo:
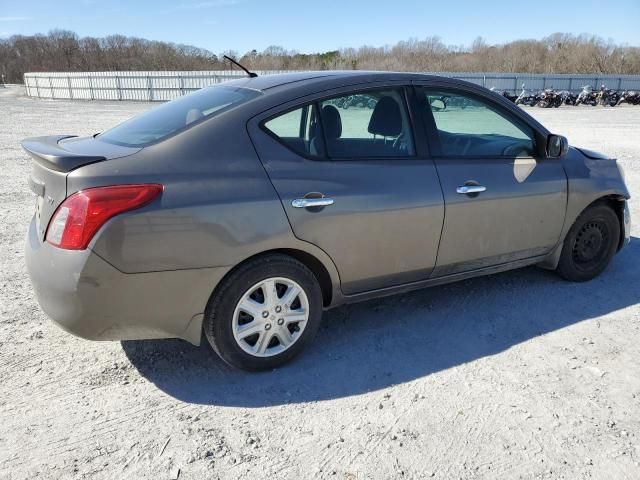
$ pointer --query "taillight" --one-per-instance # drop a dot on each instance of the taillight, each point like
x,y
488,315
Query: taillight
x,y
80,216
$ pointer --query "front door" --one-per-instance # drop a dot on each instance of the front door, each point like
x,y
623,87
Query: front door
x,y
352,183
503,201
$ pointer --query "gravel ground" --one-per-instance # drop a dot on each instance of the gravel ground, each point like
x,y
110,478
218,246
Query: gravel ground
x,y
518,375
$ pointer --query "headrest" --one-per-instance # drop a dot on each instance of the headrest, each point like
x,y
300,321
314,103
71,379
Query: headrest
x,y
331,122
386,119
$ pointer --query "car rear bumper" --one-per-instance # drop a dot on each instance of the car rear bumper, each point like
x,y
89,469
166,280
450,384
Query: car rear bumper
x,y
90,298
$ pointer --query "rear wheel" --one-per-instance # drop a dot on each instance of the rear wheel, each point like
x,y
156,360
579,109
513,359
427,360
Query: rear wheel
x,y
264,313
590,244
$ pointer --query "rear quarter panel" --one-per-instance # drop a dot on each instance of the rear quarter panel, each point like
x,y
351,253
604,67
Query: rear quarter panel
x,y
217,209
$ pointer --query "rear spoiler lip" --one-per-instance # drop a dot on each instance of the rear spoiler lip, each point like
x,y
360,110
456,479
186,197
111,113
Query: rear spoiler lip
x,y
47,152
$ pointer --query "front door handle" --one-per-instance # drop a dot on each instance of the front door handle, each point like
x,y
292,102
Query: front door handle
x,y
466,189
312,202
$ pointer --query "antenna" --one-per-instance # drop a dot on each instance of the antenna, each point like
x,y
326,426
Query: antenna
x,y
251,74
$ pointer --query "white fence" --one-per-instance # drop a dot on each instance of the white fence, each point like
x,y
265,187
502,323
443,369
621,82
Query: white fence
x,y
161,86
512,82
142,86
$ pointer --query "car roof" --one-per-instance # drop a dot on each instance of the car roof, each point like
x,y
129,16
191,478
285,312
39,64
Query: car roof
x,y
265,83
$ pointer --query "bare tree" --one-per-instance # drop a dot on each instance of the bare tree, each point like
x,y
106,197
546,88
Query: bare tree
x,y
62,50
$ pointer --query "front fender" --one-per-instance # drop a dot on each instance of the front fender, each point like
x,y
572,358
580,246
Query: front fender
x,y
592,177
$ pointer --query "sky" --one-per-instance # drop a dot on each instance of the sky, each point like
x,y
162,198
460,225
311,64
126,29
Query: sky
x,y
312,26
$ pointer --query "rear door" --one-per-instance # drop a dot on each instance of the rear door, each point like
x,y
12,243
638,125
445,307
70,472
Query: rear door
x,y
504,202
353,182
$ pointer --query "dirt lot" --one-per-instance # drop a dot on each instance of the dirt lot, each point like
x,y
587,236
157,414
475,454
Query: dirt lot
x,y
518,375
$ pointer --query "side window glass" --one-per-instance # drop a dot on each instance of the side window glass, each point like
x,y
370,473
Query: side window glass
x,y
367,125
468,126
299,130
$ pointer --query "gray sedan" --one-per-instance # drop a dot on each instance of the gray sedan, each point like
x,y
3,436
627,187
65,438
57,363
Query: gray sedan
x,y
241,211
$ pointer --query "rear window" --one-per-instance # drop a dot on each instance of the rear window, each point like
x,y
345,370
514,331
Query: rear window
x,y
176,115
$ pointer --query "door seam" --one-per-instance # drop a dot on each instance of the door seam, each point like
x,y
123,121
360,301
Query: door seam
x,y
284,210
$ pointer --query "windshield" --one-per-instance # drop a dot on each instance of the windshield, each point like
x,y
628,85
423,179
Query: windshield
x,y
176,115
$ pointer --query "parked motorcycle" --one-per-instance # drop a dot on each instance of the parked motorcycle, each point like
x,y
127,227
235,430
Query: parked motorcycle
x,y
454,101
362,101
527,97
630,96
608,97
568,98
505,93
587,97
550,98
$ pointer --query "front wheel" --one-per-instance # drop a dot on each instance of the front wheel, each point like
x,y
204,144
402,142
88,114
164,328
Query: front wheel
x,y
264,313
590,244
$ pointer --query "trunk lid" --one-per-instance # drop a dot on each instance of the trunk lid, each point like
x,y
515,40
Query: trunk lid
x,y
53,158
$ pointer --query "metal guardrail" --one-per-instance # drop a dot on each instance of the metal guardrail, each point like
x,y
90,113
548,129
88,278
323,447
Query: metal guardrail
x,y
162,86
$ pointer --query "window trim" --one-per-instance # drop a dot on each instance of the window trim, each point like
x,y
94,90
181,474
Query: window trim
x,y
263,127
402,89
431,129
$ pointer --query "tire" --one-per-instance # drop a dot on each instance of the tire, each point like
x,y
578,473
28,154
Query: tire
x,y
590,244
224,318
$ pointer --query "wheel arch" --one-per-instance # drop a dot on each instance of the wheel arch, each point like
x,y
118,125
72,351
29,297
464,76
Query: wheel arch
x,y
327,283
614,200
317,268
616,203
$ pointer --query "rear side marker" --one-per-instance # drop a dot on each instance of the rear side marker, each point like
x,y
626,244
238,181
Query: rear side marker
x,y
81,215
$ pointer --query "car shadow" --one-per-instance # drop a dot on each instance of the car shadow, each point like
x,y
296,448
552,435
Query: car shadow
x,y
376,344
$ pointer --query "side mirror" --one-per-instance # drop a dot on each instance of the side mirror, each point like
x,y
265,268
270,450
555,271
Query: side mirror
x,y
557,146
438,105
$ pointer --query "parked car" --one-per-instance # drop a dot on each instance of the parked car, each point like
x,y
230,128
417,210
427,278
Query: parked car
x,y
243,210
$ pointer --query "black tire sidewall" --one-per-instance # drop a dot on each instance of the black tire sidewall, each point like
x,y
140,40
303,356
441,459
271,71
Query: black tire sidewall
x,y
219,314
566,266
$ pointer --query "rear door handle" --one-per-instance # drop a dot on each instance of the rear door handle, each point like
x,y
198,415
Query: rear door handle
x,y
466,189
312,202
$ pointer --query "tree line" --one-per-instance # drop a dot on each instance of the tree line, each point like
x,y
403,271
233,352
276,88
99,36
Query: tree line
x,y
62,50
